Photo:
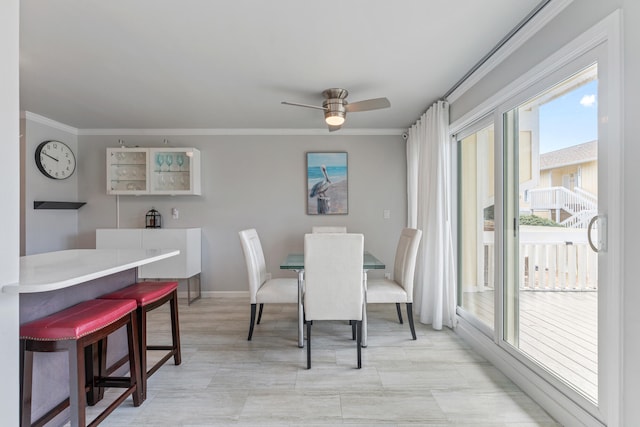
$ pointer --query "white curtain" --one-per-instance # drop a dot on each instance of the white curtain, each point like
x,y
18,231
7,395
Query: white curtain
x,y
429,204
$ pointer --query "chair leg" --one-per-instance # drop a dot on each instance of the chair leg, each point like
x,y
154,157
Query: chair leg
x,y
308,344
353,329
260,313
359,343
399,313
410,316
252,321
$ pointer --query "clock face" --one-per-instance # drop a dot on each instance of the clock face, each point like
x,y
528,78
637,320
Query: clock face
x,y
55,159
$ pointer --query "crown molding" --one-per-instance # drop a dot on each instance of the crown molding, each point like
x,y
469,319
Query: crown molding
x,y
240,132
207,132
48,122
542,18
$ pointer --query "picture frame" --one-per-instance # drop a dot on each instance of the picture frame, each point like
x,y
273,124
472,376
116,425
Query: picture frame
x,y
327,183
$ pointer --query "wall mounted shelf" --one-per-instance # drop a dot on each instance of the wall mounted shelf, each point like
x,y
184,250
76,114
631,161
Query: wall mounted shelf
x,y
57,205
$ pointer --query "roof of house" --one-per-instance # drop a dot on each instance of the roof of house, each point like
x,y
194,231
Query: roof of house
x,y
576,154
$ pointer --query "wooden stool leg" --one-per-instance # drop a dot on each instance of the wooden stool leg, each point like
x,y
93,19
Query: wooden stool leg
x,y
26,384
175,328
76,383
96,367
142,349
135,374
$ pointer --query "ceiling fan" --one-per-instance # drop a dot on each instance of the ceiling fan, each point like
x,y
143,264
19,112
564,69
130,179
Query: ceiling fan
x,y
336,107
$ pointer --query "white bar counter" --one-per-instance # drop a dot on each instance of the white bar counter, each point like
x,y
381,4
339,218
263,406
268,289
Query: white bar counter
x,y
50,282
58,270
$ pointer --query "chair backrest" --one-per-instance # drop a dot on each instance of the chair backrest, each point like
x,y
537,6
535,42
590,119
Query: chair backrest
x,y
254,257
405,263
328,229
333,274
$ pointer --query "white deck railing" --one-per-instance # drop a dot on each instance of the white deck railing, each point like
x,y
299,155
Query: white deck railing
x,y
551,258
580,204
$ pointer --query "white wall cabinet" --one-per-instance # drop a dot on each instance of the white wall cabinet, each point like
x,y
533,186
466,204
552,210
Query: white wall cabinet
x,y
186,265
165,170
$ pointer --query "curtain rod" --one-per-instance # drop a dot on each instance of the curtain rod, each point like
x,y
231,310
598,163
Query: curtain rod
x,y
501,43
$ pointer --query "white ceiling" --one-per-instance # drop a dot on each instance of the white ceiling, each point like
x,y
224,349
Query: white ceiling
x,y
227,64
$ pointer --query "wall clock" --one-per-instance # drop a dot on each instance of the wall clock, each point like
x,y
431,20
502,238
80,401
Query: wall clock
x,y
55,159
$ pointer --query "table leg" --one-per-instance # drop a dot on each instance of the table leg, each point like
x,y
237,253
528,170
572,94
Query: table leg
x,y
300,309
364,312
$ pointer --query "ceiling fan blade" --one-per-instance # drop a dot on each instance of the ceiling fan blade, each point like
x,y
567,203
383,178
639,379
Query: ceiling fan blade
x,y
295,104
334,128
368,104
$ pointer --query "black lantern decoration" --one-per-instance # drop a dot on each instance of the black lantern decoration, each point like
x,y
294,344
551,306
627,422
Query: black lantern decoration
x,y
153,219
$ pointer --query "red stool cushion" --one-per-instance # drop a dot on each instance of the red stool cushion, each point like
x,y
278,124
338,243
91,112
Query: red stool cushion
x,y
144,292
77,321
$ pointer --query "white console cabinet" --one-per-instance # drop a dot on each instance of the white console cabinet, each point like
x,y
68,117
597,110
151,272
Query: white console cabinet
x,y
186,265
166,170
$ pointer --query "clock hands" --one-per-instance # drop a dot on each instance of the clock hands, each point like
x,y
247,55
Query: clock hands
x,y
51,157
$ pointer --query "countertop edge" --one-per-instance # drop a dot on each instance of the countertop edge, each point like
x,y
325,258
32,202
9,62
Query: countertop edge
x,y
17,288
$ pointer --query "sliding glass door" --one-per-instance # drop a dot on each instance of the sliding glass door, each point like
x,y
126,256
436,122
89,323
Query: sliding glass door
x,y
550,210
477,225
537,182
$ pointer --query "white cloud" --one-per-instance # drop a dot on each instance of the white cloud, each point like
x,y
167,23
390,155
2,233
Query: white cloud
x,y
588,100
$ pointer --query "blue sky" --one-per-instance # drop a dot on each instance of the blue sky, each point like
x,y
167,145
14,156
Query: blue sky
x,y
570,119
327,159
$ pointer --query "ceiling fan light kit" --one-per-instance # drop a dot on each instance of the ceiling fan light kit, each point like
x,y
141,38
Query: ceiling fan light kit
x,y
335,106
334,114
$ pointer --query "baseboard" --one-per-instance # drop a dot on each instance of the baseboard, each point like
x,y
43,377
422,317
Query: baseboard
x,y
559,406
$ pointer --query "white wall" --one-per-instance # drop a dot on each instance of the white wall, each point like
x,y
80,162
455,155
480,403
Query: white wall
x,y
574,20
46,230
255,182
9,214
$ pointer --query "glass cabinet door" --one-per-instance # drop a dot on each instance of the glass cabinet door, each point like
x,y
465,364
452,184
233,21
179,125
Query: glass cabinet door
x,y
127,171
174,170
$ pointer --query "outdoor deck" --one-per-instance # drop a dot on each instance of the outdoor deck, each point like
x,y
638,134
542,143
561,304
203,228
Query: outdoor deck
x,y
557,329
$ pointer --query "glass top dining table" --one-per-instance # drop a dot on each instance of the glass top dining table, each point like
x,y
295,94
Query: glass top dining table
x,y
295,262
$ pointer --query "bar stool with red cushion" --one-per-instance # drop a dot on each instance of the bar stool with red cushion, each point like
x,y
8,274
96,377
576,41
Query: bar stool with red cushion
x,y
149,296
75,330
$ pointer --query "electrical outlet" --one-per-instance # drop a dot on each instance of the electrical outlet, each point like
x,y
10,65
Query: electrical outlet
x,y
386,214
387,276
175,213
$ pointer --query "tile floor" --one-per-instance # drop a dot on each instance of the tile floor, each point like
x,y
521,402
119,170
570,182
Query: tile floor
x,y
226,380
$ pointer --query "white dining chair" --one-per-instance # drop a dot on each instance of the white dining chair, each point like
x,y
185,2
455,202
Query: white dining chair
x,y
399,289
262,288
328,229
334,288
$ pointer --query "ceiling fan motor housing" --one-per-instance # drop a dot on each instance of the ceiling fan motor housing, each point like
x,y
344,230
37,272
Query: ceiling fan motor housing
x,y
335,110
335,106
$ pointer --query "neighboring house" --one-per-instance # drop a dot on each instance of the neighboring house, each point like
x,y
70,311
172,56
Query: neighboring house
x,y
571,167
567,189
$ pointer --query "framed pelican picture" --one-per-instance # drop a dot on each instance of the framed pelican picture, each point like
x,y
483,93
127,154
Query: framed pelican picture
x,y
327,184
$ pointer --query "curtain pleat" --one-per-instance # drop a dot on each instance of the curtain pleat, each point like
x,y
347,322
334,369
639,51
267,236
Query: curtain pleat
x,y
429,195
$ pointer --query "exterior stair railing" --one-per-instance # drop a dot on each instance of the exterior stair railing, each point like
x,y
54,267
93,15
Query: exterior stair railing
x,y
579,204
